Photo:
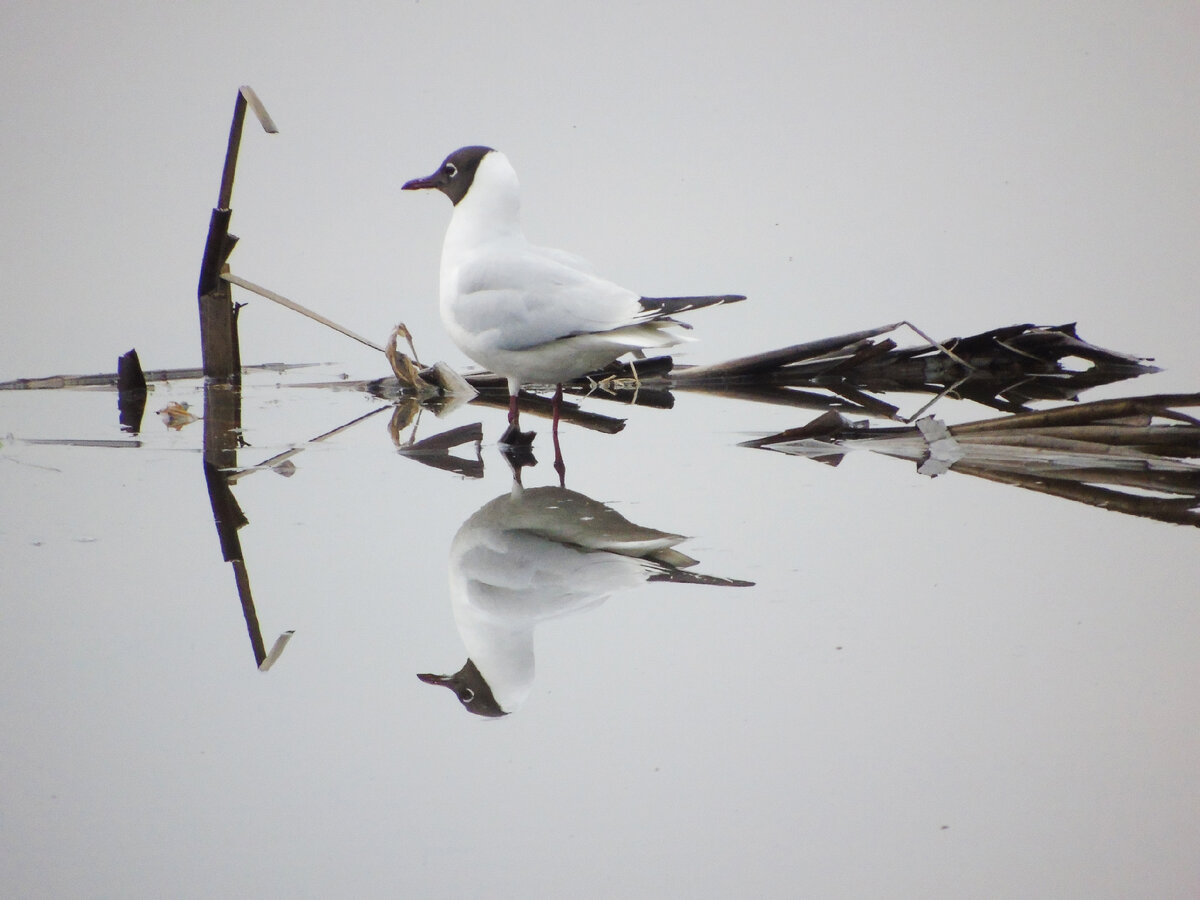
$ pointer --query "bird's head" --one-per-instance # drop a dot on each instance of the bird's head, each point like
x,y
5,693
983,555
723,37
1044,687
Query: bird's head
x,y
471,689
454,176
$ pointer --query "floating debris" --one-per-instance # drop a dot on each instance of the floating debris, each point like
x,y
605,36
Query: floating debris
x,y
175,415
435,451
1135,455
79,442
113,379
405,369
1005,368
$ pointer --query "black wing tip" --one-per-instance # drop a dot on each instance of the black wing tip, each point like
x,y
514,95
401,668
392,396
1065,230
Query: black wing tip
x,y
669,306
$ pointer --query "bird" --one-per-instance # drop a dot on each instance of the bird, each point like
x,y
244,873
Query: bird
x,y
534,554
534,315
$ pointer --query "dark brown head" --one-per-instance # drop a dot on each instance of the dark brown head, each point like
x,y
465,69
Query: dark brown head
x,y
454,176
471,689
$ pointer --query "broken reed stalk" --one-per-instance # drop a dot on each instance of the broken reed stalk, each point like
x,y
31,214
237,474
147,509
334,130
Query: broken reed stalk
x,y
218,335
1178,511
222,363
222,413
774,359
246,96
1161,440
113,379
218,318
131,392
1090,413
296,307
233,476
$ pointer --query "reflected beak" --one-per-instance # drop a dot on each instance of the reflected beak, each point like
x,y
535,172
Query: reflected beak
x,y
443,680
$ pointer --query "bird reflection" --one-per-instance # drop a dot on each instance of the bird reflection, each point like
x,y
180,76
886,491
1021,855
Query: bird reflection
x,y
536,554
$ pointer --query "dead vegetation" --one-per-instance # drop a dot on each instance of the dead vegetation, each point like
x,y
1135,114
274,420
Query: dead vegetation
x,y
1134,455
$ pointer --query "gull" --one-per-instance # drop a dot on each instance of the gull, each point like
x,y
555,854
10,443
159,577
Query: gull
x,y
535,554
533,314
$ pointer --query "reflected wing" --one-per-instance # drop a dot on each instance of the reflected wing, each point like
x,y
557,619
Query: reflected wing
x,y
516,576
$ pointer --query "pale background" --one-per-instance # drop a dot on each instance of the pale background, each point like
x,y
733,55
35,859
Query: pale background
x,y
1012,711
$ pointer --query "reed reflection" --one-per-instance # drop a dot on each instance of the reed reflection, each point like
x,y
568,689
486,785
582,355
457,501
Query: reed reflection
x,y
1134,455
535,554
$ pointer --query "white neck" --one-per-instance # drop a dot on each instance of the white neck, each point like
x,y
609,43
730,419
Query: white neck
x,y
492,207
505,659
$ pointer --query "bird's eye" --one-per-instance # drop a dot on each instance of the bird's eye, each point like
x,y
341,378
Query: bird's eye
x,y
466,695
450,169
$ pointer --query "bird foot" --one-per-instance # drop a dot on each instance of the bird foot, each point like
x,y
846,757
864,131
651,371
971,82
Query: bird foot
x,y
515,437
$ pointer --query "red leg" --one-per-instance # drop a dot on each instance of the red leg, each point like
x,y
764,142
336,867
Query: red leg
x,y
559,466
513,436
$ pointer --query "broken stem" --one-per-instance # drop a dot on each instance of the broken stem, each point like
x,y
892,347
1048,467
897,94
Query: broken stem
x,y
296,307
942,347
920,412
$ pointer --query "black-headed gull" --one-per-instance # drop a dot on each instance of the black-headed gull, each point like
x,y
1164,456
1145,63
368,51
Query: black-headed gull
x,y
533,314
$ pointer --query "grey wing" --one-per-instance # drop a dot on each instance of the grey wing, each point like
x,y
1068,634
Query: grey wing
x,y
578,263
522,300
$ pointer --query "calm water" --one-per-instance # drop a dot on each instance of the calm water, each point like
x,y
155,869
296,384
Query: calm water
x,y
996,683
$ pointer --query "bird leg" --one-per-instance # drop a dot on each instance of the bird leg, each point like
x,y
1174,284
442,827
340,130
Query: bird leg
x,y
513,435
559,466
